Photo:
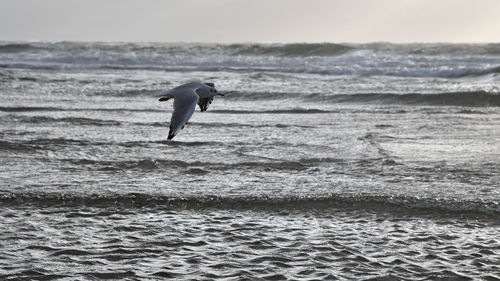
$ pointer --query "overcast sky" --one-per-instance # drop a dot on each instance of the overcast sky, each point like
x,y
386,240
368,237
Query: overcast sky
x,y
251,20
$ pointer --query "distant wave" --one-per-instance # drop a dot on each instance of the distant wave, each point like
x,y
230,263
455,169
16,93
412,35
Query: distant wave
x,y
42,144
471,72
213,65
293,50
18,146
362,202
52,108
380,59
290,49
82,120
69,120
28,108
271,111
297,110
472,99
444,48
17,47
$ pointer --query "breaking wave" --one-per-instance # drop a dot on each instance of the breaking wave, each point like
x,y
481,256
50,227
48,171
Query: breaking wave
x,y
293,49
402,204
398,60
475,72
290,49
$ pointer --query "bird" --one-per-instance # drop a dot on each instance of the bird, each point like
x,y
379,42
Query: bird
x,y
186,96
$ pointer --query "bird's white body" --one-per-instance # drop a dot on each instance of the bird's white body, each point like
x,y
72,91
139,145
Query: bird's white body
x,y
186,96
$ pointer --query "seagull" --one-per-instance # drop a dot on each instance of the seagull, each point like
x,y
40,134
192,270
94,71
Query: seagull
x,y
186,96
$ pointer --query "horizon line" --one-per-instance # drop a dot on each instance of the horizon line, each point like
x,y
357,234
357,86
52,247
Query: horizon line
x,y
256,42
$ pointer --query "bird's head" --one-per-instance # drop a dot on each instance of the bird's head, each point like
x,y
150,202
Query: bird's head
x,y
212,89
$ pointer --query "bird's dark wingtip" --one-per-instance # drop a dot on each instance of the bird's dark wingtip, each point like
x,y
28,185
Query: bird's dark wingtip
x,y
164,98
170,135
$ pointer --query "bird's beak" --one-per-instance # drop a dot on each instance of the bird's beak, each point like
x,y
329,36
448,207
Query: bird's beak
x,y
219,94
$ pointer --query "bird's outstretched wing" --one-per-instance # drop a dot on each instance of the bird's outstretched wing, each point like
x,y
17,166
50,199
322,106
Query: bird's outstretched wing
x,y
165,95
184,105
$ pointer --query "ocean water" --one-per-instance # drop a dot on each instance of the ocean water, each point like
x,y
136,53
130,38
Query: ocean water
x,y
322,161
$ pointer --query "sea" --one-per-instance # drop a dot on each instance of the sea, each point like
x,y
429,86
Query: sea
x,y
321,161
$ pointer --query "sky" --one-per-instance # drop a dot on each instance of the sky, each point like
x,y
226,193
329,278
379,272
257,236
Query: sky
x,y
266,21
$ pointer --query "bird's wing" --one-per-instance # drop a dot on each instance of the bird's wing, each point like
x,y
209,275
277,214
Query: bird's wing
x,y
162,93
165,95
184,105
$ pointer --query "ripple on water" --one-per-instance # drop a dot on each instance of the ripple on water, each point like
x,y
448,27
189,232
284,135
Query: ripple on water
x,y
273,245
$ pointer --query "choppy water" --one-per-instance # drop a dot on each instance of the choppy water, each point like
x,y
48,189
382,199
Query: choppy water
x,y
323,161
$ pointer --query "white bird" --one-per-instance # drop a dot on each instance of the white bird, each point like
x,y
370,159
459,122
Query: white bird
x,y
186,96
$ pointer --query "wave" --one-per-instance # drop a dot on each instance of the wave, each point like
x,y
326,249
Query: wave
x,y
492,49
437,49
82,121
44,144
70,120
471,99
289,49
382,59
462,99
52,108
292,50
19,146
17,47
29,108
150,164
362,202
185,166
471,72
41,144
297,110
250,65
241,125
